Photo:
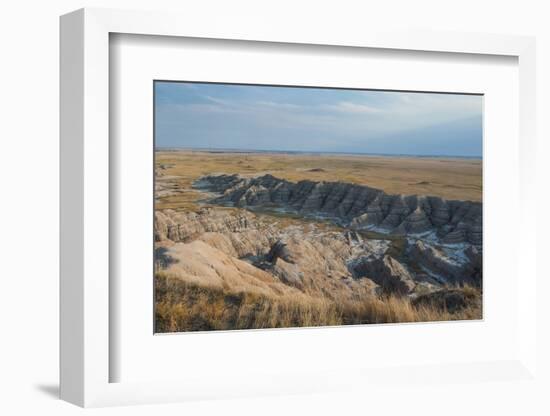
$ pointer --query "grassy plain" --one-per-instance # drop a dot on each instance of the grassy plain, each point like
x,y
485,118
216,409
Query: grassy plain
x,y
447,178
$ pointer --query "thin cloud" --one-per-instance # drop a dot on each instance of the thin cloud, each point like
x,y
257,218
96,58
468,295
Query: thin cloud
x,y
316,119
354,108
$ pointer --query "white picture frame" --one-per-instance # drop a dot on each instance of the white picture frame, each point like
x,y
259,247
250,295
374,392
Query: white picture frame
x,y
85,212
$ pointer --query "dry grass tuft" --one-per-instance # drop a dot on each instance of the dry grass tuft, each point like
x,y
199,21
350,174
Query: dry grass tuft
x,y
183,306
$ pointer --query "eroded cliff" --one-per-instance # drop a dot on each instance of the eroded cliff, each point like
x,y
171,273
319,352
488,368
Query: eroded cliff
x,y
354,206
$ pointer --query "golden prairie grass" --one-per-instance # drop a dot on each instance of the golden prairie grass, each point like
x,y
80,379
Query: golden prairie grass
x,y
447,178
183,306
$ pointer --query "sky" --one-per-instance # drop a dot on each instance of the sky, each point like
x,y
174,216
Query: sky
x,y
249,117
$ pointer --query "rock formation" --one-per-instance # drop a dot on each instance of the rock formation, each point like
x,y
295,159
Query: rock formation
x,y
458,266
387,272
351,205
375,243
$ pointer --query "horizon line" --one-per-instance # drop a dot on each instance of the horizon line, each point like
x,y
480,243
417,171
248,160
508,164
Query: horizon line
x,y
241,150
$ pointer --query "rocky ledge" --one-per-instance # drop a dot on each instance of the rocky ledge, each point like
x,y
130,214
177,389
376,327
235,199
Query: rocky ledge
x,y
354,206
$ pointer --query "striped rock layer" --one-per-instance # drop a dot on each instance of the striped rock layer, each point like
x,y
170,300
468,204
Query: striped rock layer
x,y
353,205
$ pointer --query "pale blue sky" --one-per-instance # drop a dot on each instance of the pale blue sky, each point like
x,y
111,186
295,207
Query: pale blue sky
x,y
198,115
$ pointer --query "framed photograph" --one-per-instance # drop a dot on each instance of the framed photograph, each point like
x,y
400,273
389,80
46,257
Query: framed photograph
x,y
279,206
320,199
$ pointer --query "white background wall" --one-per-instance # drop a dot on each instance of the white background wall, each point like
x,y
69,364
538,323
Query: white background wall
x,y
29,209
